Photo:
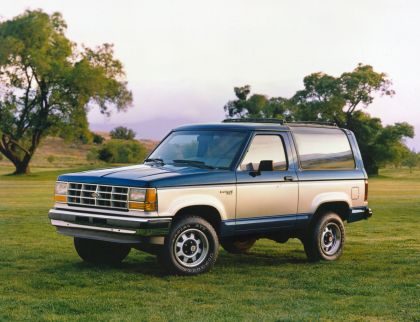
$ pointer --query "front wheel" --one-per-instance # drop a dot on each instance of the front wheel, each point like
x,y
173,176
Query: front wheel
x,y
190,248
325,240
100,252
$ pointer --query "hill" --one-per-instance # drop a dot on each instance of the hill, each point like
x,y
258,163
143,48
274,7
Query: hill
x,y
54,152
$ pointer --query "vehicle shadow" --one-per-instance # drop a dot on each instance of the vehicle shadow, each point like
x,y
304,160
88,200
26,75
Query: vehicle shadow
x,y
147,264
255,258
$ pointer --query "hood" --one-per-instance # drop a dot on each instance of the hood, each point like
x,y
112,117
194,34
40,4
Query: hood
x,y
149,176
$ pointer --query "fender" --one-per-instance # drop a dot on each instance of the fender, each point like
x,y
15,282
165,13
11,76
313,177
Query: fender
x,y
328,197
172,200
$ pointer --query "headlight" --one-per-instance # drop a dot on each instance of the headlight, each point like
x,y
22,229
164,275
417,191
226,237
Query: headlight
x,y
60,192
143,199
137,194
61,188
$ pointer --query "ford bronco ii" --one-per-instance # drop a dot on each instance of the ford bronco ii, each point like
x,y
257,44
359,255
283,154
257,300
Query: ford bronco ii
x,y
229,183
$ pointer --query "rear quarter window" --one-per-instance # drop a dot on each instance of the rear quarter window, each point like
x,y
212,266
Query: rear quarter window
x,y
323,149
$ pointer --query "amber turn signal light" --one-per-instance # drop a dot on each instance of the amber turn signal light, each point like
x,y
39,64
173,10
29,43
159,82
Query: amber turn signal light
x,y
60,198
149,204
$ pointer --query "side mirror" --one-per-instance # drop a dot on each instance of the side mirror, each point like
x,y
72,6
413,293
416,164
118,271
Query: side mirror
x,y
266,165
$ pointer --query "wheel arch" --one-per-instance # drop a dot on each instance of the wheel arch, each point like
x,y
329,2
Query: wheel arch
x,y
342,208
209,213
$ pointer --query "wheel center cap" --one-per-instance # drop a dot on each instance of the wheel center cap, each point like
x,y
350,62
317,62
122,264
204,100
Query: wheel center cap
x,y
329,238
189,247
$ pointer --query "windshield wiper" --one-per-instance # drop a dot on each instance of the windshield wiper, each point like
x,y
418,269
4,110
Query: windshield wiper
x,y
156,160
199,164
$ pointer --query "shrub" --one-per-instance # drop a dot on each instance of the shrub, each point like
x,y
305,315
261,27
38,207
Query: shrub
x,y
98,139
122,133
92,155
85,137
51,158
122,151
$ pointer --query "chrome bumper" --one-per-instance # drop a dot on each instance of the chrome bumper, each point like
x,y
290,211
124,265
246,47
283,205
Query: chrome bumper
x,y
72,222
359,213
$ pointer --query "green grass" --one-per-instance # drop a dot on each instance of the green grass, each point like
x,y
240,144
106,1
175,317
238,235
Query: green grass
x,y
376,279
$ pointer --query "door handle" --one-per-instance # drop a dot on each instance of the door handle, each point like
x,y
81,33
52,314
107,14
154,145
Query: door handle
x,y
288,178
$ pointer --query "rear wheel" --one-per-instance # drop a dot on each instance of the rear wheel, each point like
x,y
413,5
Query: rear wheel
x,y
325,240
238,245
100,252
190,248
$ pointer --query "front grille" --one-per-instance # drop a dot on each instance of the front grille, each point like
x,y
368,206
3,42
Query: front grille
x,y
101,196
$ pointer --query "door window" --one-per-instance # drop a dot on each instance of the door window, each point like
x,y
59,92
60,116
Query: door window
x,y
265,148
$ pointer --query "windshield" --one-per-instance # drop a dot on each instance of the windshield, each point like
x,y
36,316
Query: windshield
x,y
210,149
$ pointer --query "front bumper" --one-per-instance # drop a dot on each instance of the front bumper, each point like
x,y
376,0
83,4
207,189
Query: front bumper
x,y
357,214
108,227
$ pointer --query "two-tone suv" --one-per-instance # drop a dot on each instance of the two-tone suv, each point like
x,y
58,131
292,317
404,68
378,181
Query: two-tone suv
x,y
229,183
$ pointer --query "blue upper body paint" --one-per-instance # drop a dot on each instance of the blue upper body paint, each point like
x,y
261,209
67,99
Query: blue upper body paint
x,y
152,176
159,176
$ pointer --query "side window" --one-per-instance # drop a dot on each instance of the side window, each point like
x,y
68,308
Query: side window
x,y
323,149
265,148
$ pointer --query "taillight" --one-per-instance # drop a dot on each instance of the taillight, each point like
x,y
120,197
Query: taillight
x,y
366,190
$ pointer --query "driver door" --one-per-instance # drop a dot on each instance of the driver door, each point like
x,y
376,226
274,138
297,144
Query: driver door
x,y
267,187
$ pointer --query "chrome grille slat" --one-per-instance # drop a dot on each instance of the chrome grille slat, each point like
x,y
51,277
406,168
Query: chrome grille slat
x,y
103,191
113,197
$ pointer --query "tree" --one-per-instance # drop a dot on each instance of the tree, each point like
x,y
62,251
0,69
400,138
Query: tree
x,y
257,105
330,99
47,83
379,145
122,133
400,154
412,160
76,129
320,100
341,100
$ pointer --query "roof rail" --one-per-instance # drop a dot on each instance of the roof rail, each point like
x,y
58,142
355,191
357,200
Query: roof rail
x,y
312,122
253,120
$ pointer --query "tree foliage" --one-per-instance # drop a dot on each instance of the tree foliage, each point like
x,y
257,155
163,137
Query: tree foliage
x,y
97,138
342,100
257,105
47,83
122,133
411,160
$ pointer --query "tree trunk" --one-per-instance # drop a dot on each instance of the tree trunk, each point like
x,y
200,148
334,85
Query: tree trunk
x,y
22,167
10,149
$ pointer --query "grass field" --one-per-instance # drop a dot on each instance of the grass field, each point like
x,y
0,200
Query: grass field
x,y
377,278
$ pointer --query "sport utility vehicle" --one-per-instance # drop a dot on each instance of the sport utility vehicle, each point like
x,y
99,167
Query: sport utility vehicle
x,y
229,183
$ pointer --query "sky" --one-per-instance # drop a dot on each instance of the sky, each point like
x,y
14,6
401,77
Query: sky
x,y
183,58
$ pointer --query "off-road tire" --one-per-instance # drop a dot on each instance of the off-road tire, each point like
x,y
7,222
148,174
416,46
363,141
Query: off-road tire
x,y
327,230
100,252
190,248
